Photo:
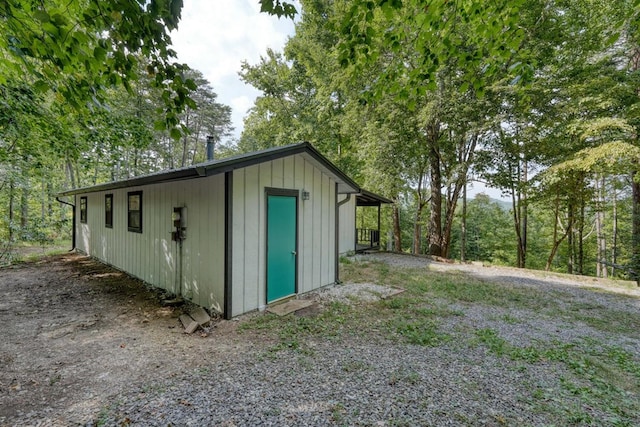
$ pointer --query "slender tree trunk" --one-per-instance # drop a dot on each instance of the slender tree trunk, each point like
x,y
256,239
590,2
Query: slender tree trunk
x,y
417,225
136,159
525,213
196,137
49,192
24,205
601,267
463,225
555,234
571,238
515,209
397,234
556,240
71,174
185,141
614,247
634,273
580,239
11,203
417,230
435,217
635,233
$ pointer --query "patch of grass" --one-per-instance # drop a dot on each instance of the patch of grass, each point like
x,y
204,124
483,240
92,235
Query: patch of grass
x,y
404,376
345,260
398,303
452,286
359,271
338,412
490,338
602,377
292,330
355,366
29,252
457,287
606,319
509,319
421,331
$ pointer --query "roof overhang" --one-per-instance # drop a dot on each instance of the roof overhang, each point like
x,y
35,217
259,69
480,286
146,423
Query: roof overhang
x,y
305,149
367,198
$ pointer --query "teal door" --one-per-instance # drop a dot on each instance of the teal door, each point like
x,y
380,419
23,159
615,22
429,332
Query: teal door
x,y
281,246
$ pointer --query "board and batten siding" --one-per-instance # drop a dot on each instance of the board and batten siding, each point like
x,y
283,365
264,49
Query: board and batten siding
x,y
151,255
347,225
316,228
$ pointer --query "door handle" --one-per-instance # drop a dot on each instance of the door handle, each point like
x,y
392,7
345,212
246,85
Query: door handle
x,y
294,253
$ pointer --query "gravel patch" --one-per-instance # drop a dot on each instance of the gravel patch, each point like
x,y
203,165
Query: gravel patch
x,y
354,293
524,328
361,384
354,377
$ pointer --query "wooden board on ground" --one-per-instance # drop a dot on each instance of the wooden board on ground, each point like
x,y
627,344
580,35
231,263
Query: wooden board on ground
x,y
289,306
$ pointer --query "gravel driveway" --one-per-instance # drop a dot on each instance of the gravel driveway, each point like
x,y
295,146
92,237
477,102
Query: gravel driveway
x,y
253,376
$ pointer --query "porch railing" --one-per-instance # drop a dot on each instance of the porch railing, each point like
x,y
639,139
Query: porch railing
x,y
367,238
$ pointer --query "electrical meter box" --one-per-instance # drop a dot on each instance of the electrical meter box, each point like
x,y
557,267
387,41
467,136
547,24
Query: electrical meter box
x,y
179,218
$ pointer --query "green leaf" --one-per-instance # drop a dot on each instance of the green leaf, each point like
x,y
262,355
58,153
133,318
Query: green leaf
x,y
41,86
41,16
175,134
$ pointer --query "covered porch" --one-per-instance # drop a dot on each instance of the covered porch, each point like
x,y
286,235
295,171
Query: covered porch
x,y
367,236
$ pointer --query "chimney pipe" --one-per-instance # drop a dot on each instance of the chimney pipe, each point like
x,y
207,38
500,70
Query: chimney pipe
x,y
209,147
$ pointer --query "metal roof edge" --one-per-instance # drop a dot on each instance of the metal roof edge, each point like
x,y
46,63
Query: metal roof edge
x,y
378,197
221,166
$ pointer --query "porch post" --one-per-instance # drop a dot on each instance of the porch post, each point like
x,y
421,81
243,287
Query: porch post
x,y
379,204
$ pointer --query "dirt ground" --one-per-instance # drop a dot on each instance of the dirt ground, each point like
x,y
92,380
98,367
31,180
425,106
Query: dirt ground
x,y
74,332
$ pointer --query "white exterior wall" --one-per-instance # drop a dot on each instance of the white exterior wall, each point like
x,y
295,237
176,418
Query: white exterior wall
x,y
347,225
151,255
316,228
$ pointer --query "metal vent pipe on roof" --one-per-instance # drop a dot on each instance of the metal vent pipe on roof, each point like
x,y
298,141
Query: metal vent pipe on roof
x,y
209,147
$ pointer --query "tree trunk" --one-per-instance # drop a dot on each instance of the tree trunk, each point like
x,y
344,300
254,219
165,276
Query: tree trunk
x,y
417,235
634,268
43,199
601,267
71,174
196,138
24,205
556,241
435,217
571,237
397,235
525,214
614,237
463,225
517,223
185,141
580,239
49,192
417,225
11,203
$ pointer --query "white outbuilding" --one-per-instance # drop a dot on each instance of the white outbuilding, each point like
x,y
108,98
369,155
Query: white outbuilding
x,y
231,235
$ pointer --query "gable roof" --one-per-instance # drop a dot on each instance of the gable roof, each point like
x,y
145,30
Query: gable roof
x,y
214,167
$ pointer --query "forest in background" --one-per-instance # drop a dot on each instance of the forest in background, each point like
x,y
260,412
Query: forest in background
x,y
538,99
48,148
414,99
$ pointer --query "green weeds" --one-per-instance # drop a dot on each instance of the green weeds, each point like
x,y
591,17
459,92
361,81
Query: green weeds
x,y
598,384
602,377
